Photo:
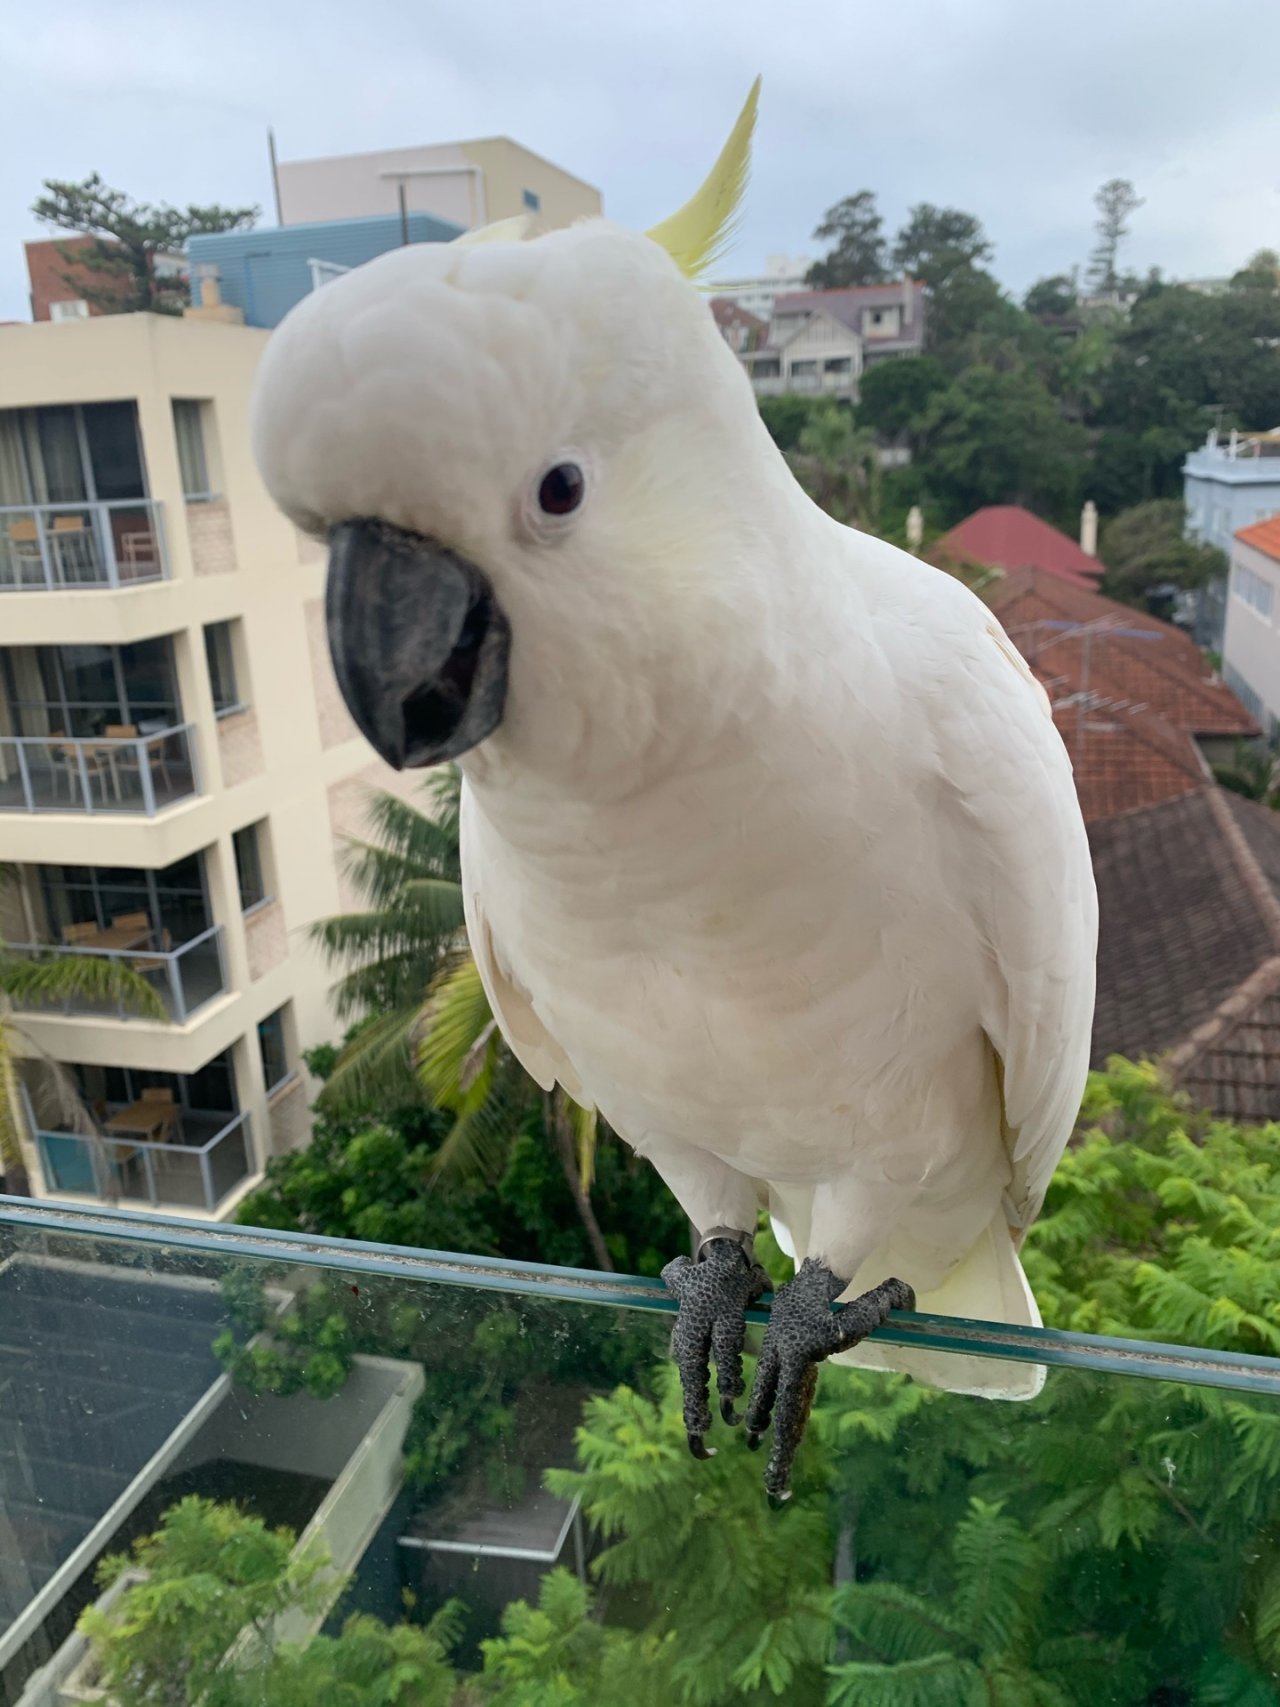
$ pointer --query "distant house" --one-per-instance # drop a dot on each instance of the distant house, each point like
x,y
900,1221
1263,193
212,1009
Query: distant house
x,y
1006,536
821,340
758,292
1251,637
740,329
1230,483
889,318
56,279
1188,875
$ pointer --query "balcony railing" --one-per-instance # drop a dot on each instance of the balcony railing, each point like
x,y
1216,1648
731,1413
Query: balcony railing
x,y
134,774
185,978
181,1174
49,546
783,385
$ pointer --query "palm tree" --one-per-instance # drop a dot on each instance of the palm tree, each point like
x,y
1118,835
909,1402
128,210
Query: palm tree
x,y
60,977
409,875
838,465
427,1024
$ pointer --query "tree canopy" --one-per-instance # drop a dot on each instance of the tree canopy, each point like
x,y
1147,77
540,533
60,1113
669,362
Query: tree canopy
x,y
123,270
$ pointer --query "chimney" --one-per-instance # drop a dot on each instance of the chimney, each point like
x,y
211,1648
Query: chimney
x,y
915,527
211,306
906,299
1089,529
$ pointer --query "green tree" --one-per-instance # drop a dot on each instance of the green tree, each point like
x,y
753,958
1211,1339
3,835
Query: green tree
x,y
1000,438
1116,202
836,462
118,272
1145,545
1260,272
1053,296
557,1655
1250,771
893,395
937,240
408,873
211,1574
854,229
787,417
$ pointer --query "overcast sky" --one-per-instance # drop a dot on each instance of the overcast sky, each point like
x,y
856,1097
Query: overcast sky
x,y
1011,110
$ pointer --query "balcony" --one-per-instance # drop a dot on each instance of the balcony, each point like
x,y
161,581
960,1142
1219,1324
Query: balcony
x,y
185,977
59,547
202,1160
140,772
1122,1523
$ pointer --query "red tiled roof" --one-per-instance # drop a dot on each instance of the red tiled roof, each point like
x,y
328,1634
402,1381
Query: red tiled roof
x,y
727,313
1123,759
1263,536
1166,675
1005,536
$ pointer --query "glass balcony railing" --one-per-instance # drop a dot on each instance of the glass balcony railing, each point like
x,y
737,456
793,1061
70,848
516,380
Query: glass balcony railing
x,y
44,547
185,978
203,1159
485,1462
136,774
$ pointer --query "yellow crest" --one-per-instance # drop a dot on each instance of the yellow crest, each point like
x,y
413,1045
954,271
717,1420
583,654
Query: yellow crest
x,y
702,230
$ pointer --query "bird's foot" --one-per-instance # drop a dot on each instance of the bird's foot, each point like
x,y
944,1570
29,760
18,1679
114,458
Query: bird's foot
x,y
714,1290
803,1330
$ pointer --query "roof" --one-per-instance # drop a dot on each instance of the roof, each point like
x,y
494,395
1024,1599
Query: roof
x,y
1123,759
1189,947
1077,640
1263,536
726,312
1006,536
847,305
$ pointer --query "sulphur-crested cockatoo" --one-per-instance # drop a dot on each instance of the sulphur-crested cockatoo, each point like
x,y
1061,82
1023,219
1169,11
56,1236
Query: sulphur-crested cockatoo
x,y
770,848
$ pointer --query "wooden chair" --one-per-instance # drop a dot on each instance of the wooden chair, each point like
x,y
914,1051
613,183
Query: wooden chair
x,y
24,552
163,1096
71,535
149,963
141,920
73,934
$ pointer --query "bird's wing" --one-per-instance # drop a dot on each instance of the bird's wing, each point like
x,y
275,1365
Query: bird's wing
x,y
1024,869
528,1039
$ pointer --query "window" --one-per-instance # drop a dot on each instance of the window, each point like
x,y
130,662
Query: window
x,y
275,1056
839,364
532,200
248,851
188,427
219,649
1252,589
74,309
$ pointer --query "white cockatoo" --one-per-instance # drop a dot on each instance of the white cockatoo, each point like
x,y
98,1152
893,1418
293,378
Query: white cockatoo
x,y
770,849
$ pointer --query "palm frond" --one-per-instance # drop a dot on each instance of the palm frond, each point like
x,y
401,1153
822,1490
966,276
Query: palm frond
x,y
80,977
375,1066
453,1018
585,1126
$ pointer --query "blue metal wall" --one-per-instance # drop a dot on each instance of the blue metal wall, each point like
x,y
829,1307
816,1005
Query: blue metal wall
x,y
266,272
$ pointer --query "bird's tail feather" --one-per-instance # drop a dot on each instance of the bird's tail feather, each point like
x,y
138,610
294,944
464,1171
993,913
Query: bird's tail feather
x,y
987,1286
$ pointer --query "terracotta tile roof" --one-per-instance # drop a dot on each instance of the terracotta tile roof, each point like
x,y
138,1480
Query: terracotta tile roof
x,y
1180,927
1005,536
1263,536
1123,759
1166,675
1189,947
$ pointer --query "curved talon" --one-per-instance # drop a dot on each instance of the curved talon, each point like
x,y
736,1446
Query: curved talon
x,y
754,1440
778,1502
728,1413
699,1448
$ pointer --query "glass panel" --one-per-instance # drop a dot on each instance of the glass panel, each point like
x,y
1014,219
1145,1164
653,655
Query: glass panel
x,y
1109,1544
149,684
23,561
188,429
248,866
222,671
198,970
111,431
58,474
135,541
275,1059
229,1162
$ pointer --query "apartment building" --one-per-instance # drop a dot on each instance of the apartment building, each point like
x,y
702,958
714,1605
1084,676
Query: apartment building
x,y
176,764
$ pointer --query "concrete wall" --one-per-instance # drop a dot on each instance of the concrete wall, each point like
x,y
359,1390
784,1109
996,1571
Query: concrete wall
x,y
468,183
277,763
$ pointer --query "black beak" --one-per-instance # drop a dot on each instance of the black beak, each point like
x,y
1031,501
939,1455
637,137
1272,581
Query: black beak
x,y
419,643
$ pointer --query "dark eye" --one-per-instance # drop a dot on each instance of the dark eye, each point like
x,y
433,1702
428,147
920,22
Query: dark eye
x,y
562,489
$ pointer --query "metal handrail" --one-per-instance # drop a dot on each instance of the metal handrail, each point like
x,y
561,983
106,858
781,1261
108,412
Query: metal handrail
x,y
105,569
86,747
170,956
149,1147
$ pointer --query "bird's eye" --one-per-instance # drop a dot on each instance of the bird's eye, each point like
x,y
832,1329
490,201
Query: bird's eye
x,y
562,489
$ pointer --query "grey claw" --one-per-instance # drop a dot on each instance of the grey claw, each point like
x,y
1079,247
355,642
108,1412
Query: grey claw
x,y
778,1502
728,1413
699,1448
754,1440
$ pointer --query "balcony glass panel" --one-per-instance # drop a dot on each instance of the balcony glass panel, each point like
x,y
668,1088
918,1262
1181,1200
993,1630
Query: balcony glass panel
x,y
185,977
136,774
205,1157
460,1429
81,545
